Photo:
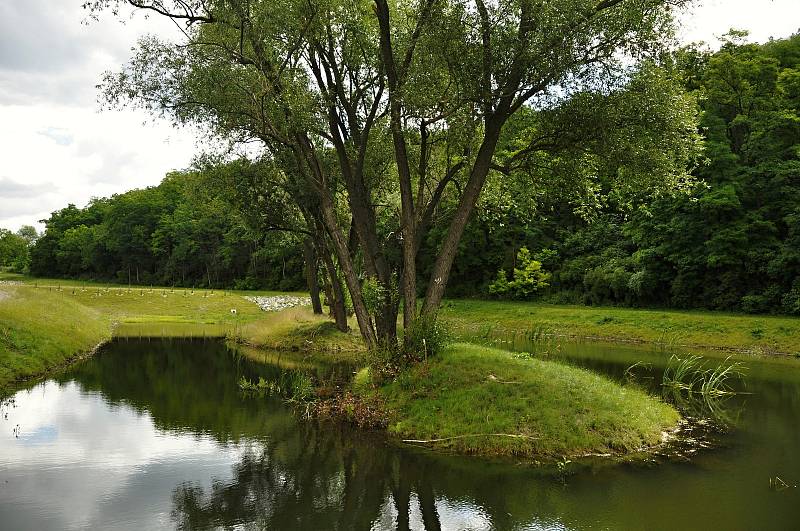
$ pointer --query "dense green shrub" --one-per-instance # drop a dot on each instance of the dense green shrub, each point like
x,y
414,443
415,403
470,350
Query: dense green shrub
x,y
528,278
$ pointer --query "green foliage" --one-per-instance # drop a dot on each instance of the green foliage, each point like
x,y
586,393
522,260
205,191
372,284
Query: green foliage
x,y
374,294
197,228
729,241
425,338
500,286
15,248
528,278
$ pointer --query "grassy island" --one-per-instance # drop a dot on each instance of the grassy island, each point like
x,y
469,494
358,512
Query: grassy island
x,y
480,400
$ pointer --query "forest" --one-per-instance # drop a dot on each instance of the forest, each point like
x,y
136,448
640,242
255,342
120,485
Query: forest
x,y
729,242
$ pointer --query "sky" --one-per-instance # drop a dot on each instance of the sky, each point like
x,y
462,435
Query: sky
x,y
58,147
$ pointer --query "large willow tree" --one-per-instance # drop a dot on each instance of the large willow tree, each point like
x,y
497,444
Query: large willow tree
x,y
375,110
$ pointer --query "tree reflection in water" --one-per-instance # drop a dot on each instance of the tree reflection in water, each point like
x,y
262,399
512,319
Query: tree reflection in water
x,y
323,476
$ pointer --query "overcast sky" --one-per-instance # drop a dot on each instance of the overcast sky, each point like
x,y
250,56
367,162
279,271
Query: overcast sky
x,y
56,147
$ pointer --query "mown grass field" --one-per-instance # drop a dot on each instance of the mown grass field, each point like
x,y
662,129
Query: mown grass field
x,y
475,320
473,399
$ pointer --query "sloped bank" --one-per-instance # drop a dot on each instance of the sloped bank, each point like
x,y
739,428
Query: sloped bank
x,y
41,331
479,400
296,328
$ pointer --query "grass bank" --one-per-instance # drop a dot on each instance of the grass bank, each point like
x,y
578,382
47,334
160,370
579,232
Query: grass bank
x,y
473,320
40,331
480,400
43,324
299,329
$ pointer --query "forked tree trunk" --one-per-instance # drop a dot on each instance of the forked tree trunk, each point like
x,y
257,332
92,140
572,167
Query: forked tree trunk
x,y
319,184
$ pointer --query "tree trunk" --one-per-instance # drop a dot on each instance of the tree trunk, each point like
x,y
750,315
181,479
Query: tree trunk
x,y
336,295
311,275
329,219
386,322
447,253
326,287
395,75
350,277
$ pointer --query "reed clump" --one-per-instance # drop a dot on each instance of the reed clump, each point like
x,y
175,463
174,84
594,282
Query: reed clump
x,y
693,375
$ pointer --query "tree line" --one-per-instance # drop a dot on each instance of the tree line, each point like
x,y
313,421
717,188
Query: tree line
x,y
730,242
187,231
15,248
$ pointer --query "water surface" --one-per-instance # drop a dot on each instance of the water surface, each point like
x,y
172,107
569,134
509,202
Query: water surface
x,y
156,434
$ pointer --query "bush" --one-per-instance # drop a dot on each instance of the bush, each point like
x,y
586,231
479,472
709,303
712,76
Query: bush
x,y
754,304
528,278
499,288
244,284
791,301
426,337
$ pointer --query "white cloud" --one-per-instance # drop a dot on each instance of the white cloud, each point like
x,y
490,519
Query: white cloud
x,y
55,147
63,154
709,19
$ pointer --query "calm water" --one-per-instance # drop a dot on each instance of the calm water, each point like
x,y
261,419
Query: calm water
x,y
156,434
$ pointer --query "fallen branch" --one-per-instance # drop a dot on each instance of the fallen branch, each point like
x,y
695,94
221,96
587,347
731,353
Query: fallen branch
x,y
495,379
429,441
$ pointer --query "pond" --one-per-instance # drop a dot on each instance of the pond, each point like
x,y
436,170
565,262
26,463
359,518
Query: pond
x,y
152,434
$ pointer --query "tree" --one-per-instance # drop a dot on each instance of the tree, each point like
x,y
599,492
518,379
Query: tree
x,y
14,249
327,86
187,231
259,194
528,278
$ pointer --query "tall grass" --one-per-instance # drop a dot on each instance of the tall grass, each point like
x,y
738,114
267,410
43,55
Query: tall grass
x,y
691,374
294,386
